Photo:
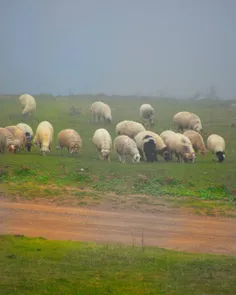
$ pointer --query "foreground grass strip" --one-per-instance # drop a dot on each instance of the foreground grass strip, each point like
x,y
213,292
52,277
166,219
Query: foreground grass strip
x,y
37,266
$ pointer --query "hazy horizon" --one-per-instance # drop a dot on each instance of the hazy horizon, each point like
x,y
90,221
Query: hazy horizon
x,y
176,47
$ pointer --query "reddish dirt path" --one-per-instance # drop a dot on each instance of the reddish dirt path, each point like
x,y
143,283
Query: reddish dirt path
x,y
167,229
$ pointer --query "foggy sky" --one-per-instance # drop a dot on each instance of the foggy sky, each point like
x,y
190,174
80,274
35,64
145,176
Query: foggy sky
x,y
118,46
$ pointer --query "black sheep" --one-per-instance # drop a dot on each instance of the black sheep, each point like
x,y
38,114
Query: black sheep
x,y
149,148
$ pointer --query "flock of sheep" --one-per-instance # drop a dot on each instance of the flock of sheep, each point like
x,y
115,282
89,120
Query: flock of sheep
x,y
133,140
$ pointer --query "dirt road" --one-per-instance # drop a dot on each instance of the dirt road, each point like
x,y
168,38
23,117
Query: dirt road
x,y
172,230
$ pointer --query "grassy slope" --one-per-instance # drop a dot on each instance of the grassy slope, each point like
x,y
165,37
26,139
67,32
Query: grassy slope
x,y
37,266
204,179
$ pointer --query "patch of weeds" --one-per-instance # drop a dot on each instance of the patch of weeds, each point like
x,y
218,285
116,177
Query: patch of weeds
x,y
83,177
174,187
3,174
178,190
50,192
215,193
169,181
191,184
24,171
80,194
44,178
73,177
117,185
159,185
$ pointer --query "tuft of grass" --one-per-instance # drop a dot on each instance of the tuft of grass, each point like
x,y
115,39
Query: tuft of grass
x,y
39,266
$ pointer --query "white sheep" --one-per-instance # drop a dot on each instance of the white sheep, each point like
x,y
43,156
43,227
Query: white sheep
x,y
181,146
125,146
3,142
18,136
216,145
71,140
147,113
29,103
29,134
166,134
129,128
197,141
9,139
100,110
26,128
161,148
44,137
187,120
103,142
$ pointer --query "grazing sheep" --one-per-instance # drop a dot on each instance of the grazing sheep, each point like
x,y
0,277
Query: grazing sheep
x,y
3,142
197,141
166,134
26,128
71,140
147,113
125,146
103,142
9,139
161,148
149,148
187,120
216,144
181,146
44,137
100,110
18,136
28,133
129,128
29,103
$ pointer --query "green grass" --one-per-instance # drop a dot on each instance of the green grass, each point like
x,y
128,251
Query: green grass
x,y
37,266
28,173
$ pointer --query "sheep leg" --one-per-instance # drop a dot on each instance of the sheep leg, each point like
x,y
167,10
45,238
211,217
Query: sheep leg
x,y
213,157
120,158
171,156
141,154
151,122
123,159
178,157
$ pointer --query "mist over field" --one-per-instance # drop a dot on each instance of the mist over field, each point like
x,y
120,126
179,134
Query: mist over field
x,y
117,147
174,48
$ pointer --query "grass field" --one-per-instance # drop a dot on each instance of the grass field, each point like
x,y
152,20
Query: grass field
x,y
202,185
38,266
